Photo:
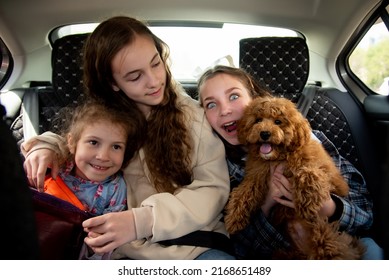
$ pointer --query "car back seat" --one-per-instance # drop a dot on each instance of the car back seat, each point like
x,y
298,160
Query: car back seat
x,y
67,89
67,78
282,64
23,114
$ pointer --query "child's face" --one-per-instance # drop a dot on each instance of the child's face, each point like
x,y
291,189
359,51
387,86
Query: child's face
x,y
100,151
140,73
224,98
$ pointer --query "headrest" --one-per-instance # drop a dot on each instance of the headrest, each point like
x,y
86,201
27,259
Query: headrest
x,y
280,63
66,62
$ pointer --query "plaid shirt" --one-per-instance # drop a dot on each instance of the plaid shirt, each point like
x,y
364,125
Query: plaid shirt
x,y
259,239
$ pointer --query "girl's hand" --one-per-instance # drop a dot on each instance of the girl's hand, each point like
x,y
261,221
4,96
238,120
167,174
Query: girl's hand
x,y
36,164
328,208
109,231
280,189
284,195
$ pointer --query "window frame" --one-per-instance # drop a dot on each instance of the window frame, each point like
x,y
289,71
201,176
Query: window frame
x,y
349,80
6,64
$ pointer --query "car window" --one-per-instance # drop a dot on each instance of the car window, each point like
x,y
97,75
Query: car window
x,y
194,48
370,59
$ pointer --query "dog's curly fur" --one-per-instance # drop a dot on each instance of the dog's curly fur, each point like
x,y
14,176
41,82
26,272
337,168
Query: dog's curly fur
x,y
274,131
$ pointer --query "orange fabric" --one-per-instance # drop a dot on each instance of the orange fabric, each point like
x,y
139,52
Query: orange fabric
x,y
59,189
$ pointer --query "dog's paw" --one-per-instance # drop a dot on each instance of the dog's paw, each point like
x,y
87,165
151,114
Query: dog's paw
x,y
310,194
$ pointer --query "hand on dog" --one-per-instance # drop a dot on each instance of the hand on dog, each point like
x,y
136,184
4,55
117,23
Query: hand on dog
x,y
328,208
280,189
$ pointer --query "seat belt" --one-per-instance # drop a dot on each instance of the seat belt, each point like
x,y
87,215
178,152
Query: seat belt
x,y
306,99
30,107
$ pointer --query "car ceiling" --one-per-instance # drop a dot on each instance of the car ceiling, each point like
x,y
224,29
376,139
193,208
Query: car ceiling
x,y
25,24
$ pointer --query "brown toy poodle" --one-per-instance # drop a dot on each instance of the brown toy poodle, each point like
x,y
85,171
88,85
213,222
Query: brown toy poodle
x,y
274,131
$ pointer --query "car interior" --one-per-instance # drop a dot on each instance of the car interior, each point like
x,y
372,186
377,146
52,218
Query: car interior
x,y
39,75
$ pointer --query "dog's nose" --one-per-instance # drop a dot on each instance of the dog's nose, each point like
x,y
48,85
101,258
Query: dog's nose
x,y
265,135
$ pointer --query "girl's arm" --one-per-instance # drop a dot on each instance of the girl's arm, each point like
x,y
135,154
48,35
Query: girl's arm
x,y
354,212
43,152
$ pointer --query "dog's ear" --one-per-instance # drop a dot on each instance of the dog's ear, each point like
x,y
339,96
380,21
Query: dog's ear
x,y
247,120
302,128
243,128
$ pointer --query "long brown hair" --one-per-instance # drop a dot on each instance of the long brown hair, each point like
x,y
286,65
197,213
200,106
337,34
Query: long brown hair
x,y
168,144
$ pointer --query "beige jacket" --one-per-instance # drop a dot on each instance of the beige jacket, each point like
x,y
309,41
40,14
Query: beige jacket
x,y
163,216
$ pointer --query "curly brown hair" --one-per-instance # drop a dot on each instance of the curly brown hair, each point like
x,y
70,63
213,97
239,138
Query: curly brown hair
x,y
168,143
73,120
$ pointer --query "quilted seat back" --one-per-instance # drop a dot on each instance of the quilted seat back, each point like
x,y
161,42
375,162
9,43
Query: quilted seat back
x,y
67,78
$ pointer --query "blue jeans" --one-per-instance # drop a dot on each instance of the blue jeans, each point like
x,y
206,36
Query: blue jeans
x,y
213,254
373,251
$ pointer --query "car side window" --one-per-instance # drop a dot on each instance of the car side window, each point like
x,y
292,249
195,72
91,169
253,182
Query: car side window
x,y
369,61
6,64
